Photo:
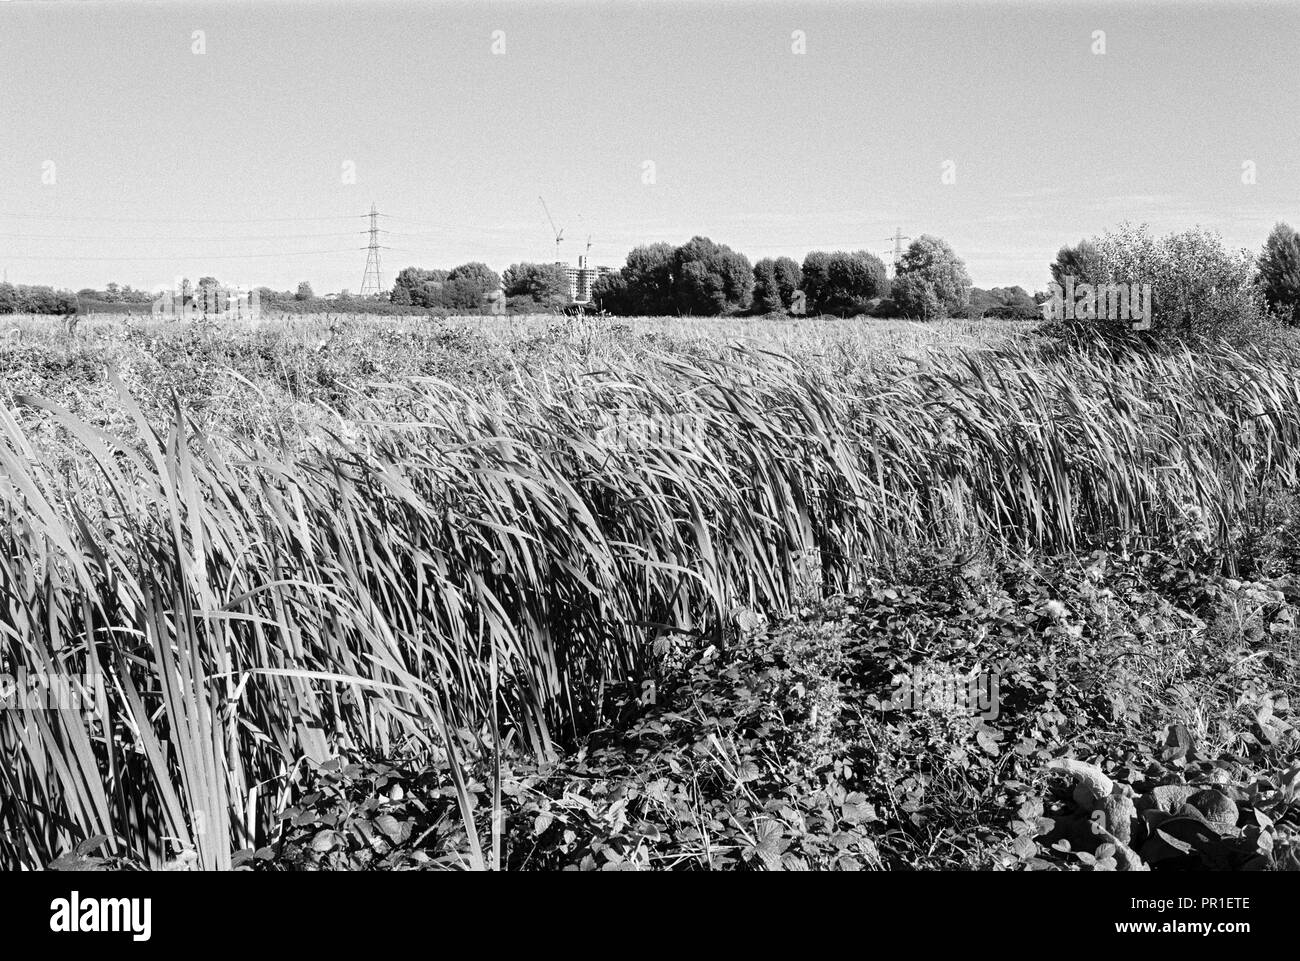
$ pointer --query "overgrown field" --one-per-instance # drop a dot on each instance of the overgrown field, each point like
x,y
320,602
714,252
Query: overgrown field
x,y
514,580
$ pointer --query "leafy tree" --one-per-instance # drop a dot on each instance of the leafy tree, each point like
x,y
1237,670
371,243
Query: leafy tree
x,y
544,284
610,294
462,288
421,288
788,279
816,276
931,267
413,277
843,283
1279,272
1008,303
37,300
700,277
1198,285
649,277
775,283
711,278
478,274
304,291
1083,262
465,291
767,288
22,299
853,280
915,296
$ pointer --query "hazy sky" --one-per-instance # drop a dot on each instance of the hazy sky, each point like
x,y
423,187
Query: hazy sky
x,y
233,162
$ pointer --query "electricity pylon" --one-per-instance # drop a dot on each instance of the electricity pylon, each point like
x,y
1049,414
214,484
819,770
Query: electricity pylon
x,y
372,284
898,239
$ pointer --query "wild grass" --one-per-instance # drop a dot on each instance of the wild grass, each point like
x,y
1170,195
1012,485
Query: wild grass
x,y
462,564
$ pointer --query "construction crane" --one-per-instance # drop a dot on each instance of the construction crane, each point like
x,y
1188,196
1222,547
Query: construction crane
x,y
559,231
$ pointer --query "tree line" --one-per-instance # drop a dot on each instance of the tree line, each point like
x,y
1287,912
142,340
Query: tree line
x,y
526,287
1197,282
21,299
704,278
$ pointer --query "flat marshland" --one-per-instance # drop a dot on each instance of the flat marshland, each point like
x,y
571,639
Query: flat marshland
x,y
640,593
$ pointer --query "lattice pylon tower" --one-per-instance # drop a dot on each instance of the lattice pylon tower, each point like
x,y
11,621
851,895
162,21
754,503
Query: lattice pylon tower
x,y
898,239
372,284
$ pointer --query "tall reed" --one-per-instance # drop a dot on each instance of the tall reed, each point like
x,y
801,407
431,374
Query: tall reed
x,y
454,566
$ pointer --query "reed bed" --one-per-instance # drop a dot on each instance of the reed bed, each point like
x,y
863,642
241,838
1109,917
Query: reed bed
x,y
464,568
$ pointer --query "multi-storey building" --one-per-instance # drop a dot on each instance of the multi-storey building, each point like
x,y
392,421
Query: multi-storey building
x,y
582,278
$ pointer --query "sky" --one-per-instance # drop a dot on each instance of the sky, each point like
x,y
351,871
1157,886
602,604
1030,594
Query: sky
x,y
145,141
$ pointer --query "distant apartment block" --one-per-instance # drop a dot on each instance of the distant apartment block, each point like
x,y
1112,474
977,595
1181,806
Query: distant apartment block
x,y
582,278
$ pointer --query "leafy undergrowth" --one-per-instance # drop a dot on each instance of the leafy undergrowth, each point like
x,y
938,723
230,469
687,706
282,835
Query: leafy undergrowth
x,y
1112,712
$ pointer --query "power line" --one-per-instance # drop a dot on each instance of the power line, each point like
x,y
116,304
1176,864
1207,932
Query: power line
x,y
633,236
340,233
483,246
372,277
278,253
442,224
182,220
518,245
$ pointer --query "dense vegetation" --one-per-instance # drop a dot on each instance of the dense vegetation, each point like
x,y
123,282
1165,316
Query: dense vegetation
x,y
408,595
22,299
1198,287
